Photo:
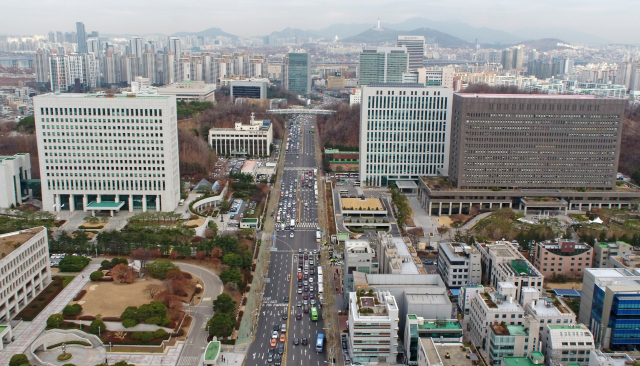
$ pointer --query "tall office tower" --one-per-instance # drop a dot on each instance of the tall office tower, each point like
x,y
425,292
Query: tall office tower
x,y
52,37
404,132
168,60
42,67
383,65
542,141
92,46
175,46
137,170
507,60
518,55
81,37
415,49
136,46
297,67
149,66
59,37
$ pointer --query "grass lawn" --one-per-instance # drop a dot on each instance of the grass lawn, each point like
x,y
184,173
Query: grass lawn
x,y
66,280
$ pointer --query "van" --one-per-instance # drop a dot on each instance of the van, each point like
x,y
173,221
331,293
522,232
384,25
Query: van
x,y
181,202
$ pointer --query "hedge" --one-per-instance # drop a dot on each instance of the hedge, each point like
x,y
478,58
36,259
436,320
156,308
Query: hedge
x,y
82,343
80,295
71,310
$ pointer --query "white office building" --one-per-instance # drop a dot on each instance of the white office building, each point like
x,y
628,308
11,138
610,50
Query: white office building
x,y
356,97
404,132
25,270
459,264
13,170
253,139
415,48
373,327
568,344
108,152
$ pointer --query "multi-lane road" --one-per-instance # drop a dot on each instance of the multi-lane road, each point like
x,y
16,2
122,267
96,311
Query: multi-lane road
x,y
281,299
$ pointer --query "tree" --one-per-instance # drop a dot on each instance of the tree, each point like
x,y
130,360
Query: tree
x,y
224,304
221,325
120,335
27,125
122,273
247,260
200,255
216,253
153,288
142,255
55,320
97,327
106,264
231,276
18,359
155,253
174,254
232,260
160,267
214,227
73,263
72,310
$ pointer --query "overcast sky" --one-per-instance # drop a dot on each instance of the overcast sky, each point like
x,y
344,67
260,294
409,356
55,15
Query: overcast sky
x,y
612,19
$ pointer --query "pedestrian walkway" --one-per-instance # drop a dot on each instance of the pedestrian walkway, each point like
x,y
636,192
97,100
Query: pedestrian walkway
x,y
170,358
40,322
307,224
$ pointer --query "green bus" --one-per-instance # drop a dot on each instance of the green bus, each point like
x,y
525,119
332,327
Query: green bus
x,y
314,314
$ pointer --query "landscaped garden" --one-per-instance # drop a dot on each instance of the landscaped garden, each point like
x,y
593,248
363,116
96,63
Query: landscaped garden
x,y
45,297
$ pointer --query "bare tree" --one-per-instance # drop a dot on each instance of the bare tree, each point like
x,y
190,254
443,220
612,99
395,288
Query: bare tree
x,y
121,335
153,288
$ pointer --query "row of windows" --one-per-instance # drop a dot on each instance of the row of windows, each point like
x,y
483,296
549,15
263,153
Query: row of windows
x,y
53,111
609,150
544,107
419,126
106,185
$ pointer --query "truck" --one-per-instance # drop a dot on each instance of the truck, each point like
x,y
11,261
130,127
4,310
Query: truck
x,y
318,237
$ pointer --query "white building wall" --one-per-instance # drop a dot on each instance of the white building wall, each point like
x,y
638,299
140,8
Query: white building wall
x,y
98,145
12,169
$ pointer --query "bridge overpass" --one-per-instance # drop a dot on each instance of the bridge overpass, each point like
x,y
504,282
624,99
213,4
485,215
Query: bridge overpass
x,y
300,111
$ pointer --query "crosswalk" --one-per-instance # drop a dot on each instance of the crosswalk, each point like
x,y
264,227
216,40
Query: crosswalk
x,y
307,225
299,168
189,360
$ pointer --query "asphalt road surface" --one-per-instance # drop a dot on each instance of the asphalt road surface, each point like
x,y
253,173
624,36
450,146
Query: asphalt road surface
x,y
283,269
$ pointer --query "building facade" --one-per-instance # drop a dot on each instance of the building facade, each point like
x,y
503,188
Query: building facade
x,y
602,253
14,171
441,330
415,49
248,89
562,257
382,65
25,270
297,73
572,344
404,132
358,257
373,327
459,264
253,139
112,151
190,91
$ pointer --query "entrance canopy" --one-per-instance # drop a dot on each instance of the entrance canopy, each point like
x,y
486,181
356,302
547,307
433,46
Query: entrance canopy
x,y
107,206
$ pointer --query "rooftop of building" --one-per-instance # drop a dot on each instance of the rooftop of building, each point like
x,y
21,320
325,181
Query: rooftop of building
x,y
506,330
361,204
548,307
619,277
372,306
428,324
446,354
396,85
440,184
249,166
556,244
496,301
427,299
188,86
12,241
524,96
457,251
103,95
628,260
615,245
354,246
518,361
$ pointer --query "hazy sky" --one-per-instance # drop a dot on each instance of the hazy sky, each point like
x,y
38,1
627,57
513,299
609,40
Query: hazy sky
x,y
612,19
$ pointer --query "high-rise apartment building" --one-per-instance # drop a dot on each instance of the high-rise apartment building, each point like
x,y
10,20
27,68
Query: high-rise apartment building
x,y
404,132
108,152
52,37
64,70
507,59
81,37
175,46
136,46
42,67
535,141
415,49
297,73
383,65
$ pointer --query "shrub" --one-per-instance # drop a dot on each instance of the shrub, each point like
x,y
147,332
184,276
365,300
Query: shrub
x,y
80,295
116,261
160,333
160,267
107,279
97,326
18,360
73,263
153,320
165,321
87,317
143,336
95,276
55,320
106,264
187,275
128,323
111,319
71,310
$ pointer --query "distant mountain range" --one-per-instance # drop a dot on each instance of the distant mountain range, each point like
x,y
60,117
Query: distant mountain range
x,y
374,35
211,32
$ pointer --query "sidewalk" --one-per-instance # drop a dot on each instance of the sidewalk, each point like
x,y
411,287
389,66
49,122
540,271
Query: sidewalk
x,y
36,327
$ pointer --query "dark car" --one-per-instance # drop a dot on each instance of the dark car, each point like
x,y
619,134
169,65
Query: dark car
x,y
286,299
304,341
276,328
299,316
306,288
278,361
284,316
428,262
281,349
311,296
312,271
299,284
306,256
296,342
306,309
305,297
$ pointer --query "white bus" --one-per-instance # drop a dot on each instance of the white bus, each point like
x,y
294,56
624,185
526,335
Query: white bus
x,y
319,272
320,288
318,237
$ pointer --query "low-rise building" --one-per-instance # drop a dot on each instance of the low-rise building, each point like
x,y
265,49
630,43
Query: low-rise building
x,y
599,358
627,260
373,327
190,90
602,252
512,340
14,172
536,358
25,269
355,97
396,256
432,353
562,257
358,257
248,89
252,139
571,344
547,311
459,264
466,293
441,330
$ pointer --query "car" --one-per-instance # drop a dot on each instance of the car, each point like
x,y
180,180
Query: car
x,y
291,234
305,297
313,271
298,316
299,304
281,349
278,361
306,277
428,262
306,256
299,290
315,251
299,250
296,341
271,354
274,334
304,341
276,328
299,284
311,280
306,310
356,364
306,283
310,288
306,271
311,296
284,316
273,342
282,337
313,302
305,302
286,299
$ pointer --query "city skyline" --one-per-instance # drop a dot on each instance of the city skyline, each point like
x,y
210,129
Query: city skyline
x,y
612,21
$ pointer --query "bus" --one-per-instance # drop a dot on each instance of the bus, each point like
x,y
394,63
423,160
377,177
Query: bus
x,y
318,237
320,287
319,273
356,183
344,193
320,343
314,314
